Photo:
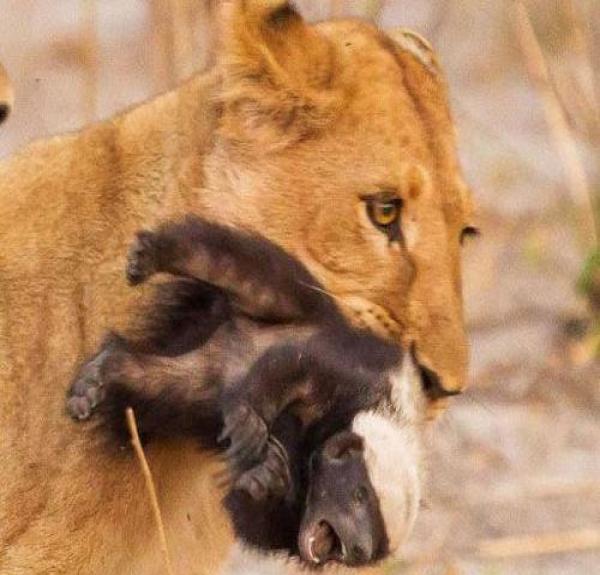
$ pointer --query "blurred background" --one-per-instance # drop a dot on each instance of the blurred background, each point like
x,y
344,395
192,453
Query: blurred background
x,y
515,464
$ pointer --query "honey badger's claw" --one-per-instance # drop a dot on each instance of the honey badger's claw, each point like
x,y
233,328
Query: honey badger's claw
x,y
249,483
141,259
79,408
223,479
272,477
247,434
87,391
248,446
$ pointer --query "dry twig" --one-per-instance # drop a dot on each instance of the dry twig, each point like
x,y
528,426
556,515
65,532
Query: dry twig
x,y
557,122
139,451
90,47
583,51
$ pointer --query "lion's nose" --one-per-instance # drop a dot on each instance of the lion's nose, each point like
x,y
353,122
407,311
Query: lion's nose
x,y
433,385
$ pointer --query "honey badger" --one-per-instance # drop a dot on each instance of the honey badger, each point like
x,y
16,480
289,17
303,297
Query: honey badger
x,y
315,411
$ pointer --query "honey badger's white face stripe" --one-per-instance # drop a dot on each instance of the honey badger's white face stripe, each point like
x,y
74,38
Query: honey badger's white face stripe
x,y
393,459
407,398
392,454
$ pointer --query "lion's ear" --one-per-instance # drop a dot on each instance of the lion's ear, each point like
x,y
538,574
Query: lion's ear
x,y
276,69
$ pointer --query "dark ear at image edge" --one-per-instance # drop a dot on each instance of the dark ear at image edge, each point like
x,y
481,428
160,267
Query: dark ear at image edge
x,y
283,14
4,111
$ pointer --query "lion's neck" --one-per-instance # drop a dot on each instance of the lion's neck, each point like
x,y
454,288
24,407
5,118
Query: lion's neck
x,y
167,141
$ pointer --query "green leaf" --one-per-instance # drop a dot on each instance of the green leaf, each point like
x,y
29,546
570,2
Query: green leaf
x,y
590,276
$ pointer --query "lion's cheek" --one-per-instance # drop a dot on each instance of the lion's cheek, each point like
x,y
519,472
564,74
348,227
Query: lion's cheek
x,y
333,239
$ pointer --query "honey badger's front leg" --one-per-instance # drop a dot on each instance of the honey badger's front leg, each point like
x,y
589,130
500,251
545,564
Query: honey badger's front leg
x,y
262,280
166,393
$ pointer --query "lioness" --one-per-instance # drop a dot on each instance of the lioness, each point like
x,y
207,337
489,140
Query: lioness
x,y
330,140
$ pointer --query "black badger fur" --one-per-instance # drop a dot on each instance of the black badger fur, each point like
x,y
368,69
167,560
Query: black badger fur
x,y
248,340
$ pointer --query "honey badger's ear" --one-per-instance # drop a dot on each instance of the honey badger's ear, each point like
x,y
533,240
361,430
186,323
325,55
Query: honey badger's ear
x,y
6,95
276,70
343,446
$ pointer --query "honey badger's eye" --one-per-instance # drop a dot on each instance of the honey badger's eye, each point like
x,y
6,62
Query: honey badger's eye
x,y
360,495
384,210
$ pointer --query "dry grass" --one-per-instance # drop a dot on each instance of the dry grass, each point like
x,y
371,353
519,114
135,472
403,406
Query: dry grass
x,y
566,145
151,488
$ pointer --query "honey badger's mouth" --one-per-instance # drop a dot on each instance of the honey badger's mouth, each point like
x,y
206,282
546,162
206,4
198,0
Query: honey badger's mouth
x,y
320,543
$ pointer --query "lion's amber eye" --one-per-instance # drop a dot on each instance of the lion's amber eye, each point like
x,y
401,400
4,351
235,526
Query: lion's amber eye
x,y
384,212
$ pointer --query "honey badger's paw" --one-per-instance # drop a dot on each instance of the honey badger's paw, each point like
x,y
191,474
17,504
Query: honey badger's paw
x,y
142,258
87,390
247,434
271,478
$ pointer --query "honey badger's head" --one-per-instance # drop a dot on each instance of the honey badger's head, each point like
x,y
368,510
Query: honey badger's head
x,y
364,492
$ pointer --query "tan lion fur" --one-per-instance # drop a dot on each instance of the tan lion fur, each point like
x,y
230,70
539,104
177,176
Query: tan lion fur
x,y
286,132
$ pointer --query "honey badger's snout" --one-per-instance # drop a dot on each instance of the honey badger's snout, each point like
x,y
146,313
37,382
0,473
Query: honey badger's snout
x,y
329,539
342,520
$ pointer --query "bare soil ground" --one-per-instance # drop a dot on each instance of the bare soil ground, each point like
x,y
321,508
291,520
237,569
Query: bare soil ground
x,y
518,456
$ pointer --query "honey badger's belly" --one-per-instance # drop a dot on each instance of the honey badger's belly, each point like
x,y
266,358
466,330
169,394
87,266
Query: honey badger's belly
x,y
237,344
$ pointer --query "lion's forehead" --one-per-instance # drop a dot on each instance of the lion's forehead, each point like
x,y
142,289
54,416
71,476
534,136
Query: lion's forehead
x,y
398,106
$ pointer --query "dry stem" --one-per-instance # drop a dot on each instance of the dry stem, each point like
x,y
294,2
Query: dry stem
x,y
557,122
90,41
139,451
582,49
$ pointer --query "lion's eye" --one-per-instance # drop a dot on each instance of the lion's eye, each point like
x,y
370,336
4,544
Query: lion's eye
x,y
384,212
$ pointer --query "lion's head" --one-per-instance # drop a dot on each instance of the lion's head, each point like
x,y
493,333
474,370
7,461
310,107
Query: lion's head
x,y
336,141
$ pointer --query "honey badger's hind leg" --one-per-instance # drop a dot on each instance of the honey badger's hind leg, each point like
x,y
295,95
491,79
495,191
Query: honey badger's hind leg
x,y
262,280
